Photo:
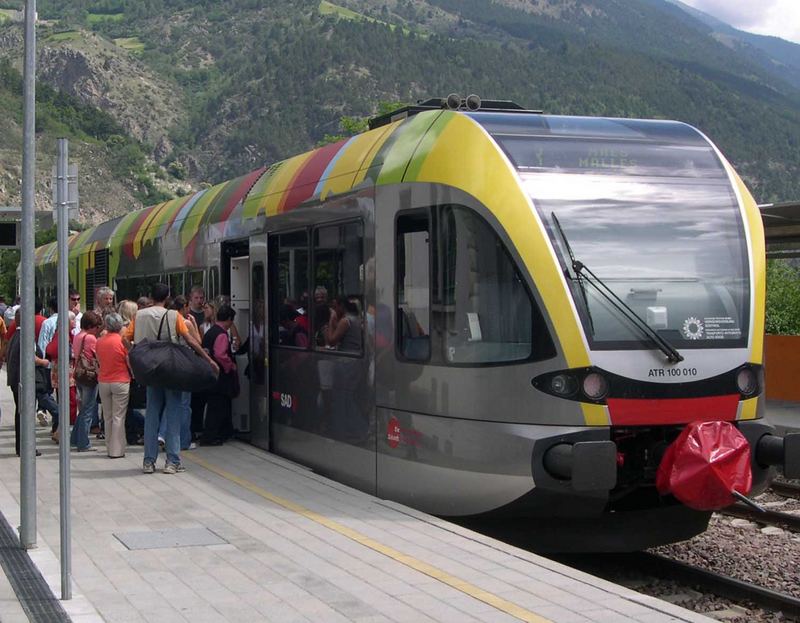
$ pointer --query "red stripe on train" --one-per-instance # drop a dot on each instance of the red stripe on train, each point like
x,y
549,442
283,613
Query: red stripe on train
x,y
632,412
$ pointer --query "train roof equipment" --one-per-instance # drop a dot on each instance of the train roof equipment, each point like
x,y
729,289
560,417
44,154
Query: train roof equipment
x,y
471,103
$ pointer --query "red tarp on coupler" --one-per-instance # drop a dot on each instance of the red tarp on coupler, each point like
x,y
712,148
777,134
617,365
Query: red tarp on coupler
x,y
704,464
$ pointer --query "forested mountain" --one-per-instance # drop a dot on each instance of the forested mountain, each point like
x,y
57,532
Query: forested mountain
x,y
213,88
773,54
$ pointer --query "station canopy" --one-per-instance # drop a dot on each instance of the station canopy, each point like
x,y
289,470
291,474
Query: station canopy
x,y
782,228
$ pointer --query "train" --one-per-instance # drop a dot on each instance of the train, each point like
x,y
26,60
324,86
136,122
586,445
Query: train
x,y
542,305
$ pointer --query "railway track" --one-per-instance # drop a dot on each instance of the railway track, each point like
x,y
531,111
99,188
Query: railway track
x,y
770,517
698,578
786,489
721,585
767,517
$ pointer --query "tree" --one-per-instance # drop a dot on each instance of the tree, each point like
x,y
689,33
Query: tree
x,y
9,260
350,126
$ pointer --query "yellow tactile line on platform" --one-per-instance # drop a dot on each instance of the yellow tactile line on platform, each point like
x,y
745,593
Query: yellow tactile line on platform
x,y
465,587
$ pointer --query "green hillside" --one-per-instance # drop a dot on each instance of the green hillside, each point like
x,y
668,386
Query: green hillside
x,y
262,80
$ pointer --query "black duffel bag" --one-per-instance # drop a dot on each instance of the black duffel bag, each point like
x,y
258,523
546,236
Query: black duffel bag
x,y
157,363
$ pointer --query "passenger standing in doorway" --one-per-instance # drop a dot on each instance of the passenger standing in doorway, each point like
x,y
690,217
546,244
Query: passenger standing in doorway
x,y
199,398
146,325
197,298
218,410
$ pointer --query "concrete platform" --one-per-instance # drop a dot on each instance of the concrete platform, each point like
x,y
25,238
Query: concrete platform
x,y
287,546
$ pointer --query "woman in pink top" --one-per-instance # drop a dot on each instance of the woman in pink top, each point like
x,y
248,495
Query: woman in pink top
x,y
114,382
85,342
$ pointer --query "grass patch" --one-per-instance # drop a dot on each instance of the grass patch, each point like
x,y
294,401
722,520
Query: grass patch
x,y
96,18
329,8
132,44
6,14
67,35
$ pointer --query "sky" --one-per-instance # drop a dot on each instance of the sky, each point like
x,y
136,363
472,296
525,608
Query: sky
x,y
780,18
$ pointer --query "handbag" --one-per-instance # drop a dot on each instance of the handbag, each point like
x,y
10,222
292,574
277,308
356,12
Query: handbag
x,y
157,363
137,395
42,379
85,368
228,384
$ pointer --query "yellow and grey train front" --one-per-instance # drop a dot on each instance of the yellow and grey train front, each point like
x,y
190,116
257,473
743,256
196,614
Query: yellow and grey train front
x,y
643,252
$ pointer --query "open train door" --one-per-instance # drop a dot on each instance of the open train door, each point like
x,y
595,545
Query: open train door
x,y
258,352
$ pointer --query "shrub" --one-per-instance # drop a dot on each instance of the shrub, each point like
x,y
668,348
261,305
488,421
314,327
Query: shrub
x,y
783,298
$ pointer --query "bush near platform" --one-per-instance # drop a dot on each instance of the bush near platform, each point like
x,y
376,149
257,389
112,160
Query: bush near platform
x,y
783,298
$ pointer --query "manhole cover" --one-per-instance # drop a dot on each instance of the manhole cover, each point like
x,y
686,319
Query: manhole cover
x,y
157,539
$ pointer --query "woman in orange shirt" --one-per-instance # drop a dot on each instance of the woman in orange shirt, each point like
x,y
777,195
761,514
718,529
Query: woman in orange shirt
x,y
114,381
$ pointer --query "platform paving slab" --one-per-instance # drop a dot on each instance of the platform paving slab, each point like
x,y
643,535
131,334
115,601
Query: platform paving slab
x,y
295,547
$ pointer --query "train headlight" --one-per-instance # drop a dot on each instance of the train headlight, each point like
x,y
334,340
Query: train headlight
x,y
595,386
581,384
563,385
747,381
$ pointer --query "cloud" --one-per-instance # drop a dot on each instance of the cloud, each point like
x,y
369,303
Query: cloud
x,y
779,18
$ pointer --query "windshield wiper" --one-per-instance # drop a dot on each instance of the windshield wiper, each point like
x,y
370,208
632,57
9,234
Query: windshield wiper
x,y
581,271
571,273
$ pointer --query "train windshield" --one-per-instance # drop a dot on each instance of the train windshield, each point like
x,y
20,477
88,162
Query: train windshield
x,y
649,209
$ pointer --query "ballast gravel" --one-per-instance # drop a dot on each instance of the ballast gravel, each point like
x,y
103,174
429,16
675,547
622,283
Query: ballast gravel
x,y
764,555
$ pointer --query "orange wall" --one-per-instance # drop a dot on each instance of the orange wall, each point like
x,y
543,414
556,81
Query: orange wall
x,y
782,367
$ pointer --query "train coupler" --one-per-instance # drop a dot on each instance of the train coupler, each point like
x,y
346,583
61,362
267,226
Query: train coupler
x,y
783,452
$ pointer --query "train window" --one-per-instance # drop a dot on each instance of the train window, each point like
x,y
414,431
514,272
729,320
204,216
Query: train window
x,y
487,314
196,278
290,326
177,284
339,284
140,286
412,246
213,283
121,289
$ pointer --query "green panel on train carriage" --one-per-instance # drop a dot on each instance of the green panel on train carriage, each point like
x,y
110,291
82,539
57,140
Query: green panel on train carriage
x,y
191,224
394,156
426,144
118,238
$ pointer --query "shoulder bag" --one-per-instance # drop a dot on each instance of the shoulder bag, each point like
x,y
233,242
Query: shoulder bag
x,y
85,367
157,363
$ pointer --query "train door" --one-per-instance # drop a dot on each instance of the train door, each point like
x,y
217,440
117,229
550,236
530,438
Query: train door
x,y
236,284
321,391
258,360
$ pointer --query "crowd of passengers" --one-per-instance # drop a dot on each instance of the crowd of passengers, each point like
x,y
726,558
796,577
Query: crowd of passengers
x,y
107,402
100,376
